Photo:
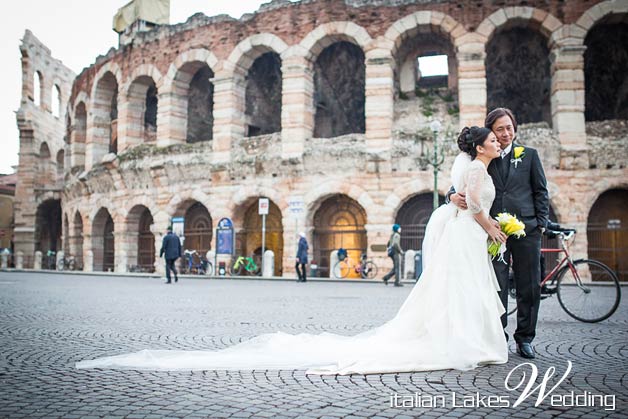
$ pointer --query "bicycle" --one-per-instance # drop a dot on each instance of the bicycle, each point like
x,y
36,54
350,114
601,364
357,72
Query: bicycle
x,y
366,268
573,282
190,266
244,264
67,263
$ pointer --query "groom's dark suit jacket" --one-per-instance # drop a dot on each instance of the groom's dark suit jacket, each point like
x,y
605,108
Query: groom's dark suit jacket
x,y
521,190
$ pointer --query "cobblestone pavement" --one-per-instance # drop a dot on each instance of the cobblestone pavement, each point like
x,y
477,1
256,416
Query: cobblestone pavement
x,y
48,322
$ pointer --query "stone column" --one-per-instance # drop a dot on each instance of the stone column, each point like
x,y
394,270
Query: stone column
x,y
131,107
125,247
567,67
297,106
228,113
172,117
378,109
472,95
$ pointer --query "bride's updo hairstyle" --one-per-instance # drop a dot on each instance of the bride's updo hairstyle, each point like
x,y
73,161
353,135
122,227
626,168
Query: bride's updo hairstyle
x,y
470,138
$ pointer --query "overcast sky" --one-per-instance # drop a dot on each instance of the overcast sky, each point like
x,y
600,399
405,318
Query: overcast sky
x,y
76,31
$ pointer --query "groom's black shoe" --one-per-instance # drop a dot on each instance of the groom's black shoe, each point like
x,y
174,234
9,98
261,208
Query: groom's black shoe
x,y
398,284
525,350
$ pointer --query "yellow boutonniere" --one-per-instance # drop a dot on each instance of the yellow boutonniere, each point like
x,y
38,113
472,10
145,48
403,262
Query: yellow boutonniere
x,y
518,154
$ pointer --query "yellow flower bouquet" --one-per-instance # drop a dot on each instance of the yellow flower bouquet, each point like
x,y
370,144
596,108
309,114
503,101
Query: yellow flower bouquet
x,y
511,226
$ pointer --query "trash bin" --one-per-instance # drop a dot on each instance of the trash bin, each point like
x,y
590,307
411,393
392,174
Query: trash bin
x,y
418,265
313,270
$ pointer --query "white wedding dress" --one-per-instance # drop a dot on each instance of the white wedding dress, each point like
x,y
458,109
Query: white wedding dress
x,y
451,319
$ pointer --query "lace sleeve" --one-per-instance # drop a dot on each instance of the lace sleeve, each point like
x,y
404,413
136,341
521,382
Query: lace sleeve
x,y
474,180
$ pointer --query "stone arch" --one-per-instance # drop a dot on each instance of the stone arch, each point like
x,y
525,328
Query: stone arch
x,y
519,78
339,221
248,225
103,240
317,195
102,132
427,30
190,92
538,19
329,33
48,226
600,11
339,90
605,61
38,86
198,230
60,165
413,215
78,135
244,194
140,238
142,104
56,102
45,166
607,230
251,48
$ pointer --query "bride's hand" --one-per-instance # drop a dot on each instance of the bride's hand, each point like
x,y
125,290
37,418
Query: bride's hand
x,y
496,234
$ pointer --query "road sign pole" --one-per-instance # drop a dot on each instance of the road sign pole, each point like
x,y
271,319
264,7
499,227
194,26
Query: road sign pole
x,y
263,240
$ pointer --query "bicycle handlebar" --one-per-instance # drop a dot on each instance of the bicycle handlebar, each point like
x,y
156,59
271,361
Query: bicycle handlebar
x,y
554,229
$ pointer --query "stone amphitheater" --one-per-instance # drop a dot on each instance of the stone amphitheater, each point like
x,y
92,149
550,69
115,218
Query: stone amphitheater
x,y
321,107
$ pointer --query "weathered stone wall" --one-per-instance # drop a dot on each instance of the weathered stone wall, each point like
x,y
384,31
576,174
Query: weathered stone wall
x,y
42,157
380,167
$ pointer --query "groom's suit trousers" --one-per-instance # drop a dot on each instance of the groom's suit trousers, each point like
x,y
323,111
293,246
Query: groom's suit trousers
x,y
526,257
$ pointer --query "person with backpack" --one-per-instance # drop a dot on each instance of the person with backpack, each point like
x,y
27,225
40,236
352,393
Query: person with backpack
x,y
394,252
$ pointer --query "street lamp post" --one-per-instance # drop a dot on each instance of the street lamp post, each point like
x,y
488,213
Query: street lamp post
x,y
437,158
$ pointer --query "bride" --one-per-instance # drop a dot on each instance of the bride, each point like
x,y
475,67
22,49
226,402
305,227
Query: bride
x,y
451,319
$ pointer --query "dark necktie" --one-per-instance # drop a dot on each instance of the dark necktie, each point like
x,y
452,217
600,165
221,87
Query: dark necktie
x,y
505,166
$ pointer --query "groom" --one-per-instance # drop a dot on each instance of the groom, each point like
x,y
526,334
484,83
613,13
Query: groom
x,y
521,190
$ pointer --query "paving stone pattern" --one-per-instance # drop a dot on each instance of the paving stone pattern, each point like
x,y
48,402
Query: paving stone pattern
x,y
48,322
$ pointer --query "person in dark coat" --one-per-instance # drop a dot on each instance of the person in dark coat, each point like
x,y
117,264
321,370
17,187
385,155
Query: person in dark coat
x,y
301,260
171,247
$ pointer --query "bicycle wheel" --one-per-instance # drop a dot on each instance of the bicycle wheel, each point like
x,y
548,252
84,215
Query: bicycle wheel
x,y
341,269
369,270
590,293
233,270
254,269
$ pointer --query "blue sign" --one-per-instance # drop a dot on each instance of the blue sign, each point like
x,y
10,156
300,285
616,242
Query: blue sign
x,y
225,237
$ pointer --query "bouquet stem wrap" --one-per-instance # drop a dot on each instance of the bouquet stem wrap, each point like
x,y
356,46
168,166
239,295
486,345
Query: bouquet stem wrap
x,y
511,226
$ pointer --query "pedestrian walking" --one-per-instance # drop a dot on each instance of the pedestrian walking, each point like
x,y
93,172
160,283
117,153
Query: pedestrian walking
x,y
301,259
395,252
171,247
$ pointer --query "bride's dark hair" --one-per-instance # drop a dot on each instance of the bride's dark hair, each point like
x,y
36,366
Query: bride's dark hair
x,y
470,138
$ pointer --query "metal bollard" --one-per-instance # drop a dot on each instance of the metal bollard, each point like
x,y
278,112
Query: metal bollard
x,y
88,266
269,264
37,263
408,266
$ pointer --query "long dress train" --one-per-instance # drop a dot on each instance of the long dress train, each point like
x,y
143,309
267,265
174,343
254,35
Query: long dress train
x,y
451,319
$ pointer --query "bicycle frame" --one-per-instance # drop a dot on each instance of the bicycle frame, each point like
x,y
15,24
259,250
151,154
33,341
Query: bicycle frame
x,y
248,262
562,238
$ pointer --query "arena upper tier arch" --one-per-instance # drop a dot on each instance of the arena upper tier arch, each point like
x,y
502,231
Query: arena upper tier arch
x,y
322,105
